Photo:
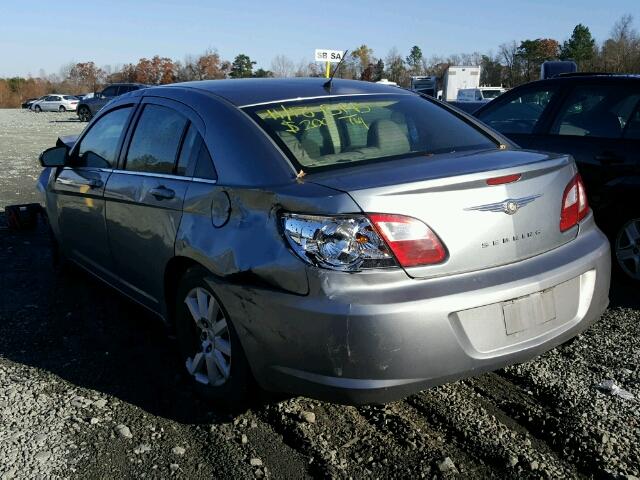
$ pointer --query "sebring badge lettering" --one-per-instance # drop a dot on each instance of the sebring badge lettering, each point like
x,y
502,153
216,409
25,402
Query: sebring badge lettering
x,y
511,239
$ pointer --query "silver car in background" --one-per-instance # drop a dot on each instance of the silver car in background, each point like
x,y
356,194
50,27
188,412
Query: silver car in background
x,y
344,240
56,103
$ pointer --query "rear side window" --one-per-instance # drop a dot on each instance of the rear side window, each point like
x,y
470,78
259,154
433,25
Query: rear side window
x,y
597,111
194,152
204,164
156,140
70,97
99,147
521,113
110,91
343,130
632,128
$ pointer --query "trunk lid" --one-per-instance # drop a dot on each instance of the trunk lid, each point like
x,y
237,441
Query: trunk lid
x,y
451,195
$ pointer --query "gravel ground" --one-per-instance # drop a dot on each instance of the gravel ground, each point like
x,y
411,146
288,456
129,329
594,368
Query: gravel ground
x,y
90,387
23,135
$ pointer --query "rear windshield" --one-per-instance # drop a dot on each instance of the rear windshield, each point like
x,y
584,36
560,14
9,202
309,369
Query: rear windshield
x,y
342,130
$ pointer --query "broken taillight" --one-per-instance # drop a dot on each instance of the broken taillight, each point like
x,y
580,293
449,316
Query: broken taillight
x,y
357,242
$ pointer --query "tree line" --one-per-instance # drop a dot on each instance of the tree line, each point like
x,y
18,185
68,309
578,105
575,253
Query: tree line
x,y
513,64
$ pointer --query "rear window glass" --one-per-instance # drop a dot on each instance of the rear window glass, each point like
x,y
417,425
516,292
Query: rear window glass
x,y
344,130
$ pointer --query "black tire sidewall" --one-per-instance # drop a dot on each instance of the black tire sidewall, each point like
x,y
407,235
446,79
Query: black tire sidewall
x,y
85,114
236,389
620,222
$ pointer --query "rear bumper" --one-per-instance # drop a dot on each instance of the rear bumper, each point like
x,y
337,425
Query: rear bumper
x,y
371,338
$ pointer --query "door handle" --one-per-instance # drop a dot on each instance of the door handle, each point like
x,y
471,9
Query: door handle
x,y
89,182
162,193
608,158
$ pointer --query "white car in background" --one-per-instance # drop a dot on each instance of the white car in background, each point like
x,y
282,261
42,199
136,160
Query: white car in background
x,y
56,103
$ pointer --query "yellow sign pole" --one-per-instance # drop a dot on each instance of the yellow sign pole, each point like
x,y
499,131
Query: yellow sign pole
x,y
327,72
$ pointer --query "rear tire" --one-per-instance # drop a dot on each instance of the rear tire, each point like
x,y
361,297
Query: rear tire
x,y
209,345
62,109
84,114
625,245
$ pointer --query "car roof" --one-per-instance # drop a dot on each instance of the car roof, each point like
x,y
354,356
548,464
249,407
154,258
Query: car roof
x,y
576,78
251,91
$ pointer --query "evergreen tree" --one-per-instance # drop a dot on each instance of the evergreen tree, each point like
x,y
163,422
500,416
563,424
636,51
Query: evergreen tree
x,y
580,47
262,73
242,67
414,60
378,71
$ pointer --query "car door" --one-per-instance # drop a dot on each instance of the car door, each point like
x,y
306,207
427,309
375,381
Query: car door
x,y
590,126
45,105
79,190
145,197
105,97
55,103
519,114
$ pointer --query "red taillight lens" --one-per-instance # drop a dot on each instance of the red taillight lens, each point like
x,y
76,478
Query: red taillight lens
x,y
574,204
411,241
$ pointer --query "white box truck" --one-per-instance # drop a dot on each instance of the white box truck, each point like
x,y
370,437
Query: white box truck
x,y
458,77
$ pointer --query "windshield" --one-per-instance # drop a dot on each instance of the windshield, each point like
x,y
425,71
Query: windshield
x,y
342,130
490,93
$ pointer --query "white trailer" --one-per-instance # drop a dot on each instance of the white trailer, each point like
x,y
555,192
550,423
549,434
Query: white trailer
x,y
458,77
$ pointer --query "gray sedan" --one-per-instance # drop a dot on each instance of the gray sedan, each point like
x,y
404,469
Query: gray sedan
x,y
346,240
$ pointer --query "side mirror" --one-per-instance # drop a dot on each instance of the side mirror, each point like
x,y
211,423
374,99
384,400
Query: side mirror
x,y
54,156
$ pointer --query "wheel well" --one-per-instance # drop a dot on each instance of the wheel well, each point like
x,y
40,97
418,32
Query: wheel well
x,y
173,272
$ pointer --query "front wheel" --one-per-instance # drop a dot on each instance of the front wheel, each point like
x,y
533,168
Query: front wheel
x,y
84,114
627,248
209,345
37,109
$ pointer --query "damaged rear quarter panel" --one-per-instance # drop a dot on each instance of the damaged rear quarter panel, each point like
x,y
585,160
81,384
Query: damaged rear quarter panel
x,y
251,241
249,251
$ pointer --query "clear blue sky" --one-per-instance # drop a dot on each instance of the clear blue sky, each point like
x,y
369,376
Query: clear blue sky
x,y
39,34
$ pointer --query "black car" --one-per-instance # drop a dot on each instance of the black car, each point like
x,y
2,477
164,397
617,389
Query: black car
x,y
28,102
88,107
596,119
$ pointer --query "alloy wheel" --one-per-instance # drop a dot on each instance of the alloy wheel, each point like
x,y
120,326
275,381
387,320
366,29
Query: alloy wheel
x,y
211,363
627,248
62,109
37,109
84,114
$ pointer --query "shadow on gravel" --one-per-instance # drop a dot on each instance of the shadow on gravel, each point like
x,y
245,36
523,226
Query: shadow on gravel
x,y
70,120
86,333
624,294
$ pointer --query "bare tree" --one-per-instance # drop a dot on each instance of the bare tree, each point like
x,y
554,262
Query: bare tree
x,y
282,67
508,55
621,52
306,69
396,70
